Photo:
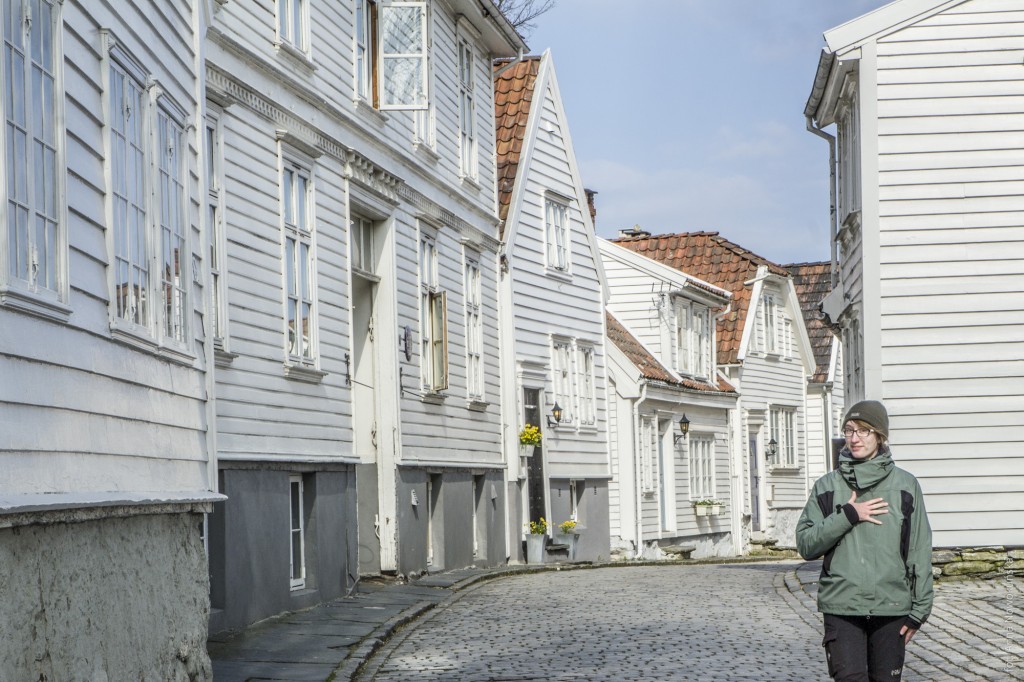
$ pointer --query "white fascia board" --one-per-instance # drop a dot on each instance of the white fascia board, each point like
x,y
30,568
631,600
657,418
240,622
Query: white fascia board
x,y
515,204
677,398
841,68
797,314
680,280
753,309
833,357
882,21
624,372
574,171
500,37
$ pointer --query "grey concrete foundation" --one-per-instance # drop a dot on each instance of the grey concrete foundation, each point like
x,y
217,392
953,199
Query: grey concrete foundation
x,y
250,544
106,599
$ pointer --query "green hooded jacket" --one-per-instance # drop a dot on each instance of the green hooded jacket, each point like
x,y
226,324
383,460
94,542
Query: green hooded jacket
x,y
869,569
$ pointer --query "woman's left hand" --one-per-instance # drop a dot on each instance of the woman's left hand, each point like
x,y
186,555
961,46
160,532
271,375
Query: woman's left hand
x,y
907,633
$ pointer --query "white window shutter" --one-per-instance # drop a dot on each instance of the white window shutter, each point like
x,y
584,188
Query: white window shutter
x,y
403,55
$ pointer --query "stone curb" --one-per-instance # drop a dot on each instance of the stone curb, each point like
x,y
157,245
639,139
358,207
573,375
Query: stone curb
x,y
369,645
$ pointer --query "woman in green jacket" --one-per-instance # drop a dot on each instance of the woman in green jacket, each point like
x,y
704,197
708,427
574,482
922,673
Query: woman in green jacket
x,y
866,519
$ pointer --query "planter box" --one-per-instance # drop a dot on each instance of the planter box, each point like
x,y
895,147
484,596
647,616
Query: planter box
x,y
714,510
526,450
702,509
535,548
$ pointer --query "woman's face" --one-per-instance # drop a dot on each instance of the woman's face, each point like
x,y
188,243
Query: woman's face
x,y
861,440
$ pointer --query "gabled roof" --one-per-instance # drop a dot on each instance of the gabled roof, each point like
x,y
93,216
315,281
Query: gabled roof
x,y
649,366
714,259
513,95
812,282
881,21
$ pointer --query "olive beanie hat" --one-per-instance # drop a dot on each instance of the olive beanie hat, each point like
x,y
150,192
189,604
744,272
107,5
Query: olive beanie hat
x,y
872,413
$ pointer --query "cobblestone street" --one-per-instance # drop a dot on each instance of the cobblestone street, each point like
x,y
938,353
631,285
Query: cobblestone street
x,y
752,621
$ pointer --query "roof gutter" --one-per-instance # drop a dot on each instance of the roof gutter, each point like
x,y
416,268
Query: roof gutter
x,y
825,62
512,62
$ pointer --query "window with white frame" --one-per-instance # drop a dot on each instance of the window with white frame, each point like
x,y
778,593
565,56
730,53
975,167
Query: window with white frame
x,y
574,499
561,369
693,338
585,384
848,134
300,262
648,448
467,111
474,331
215,226
852,361
433,320
297,526
556,221
147,130
363,254
35,226
702,466
391,54
424,125
782,431
787,337
770,323
292,20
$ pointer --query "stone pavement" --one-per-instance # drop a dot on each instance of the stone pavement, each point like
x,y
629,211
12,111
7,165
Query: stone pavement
x,y
686,621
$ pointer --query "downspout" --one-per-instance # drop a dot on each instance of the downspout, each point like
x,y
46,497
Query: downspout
x,y
637,480
515,60
832,210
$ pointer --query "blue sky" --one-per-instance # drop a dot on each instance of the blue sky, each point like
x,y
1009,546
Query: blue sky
x,y
688,114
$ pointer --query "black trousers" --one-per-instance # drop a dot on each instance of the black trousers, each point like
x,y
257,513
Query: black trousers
x,y
864,648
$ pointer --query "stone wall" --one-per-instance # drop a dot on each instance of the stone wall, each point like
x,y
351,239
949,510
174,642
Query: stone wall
x,y
121,598
977,562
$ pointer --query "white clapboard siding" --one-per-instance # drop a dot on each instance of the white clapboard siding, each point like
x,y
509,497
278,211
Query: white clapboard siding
x,y
327,74
951,248
106,416
551,305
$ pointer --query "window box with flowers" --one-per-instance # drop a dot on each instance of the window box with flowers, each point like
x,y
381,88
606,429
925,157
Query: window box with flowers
x,y
529,439
708,507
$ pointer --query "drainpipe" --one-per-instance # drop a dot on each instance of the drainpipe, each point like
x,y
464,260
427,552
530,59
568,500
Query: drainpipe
x,y
515,60
637,483
832,210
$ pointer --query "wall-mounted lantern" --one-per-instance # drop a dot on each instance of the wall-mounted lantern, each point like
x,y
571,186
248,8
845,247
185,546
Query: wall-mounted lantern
x,y
773,449
556,415
684,428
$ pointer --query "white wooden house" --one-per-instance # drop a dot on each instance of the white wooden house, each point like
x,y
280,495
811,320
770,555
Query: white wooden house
x,y
551,298
352,193
765,354
825,398
924,100
670,491
106,468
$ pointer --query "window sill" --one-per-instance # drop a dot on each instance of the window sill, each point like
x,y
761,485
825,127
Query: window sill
x,y
221,356
295,56
367,111
305,373
433,397
784,469
556,273
139,339
477,405
34,304
470,183
424,149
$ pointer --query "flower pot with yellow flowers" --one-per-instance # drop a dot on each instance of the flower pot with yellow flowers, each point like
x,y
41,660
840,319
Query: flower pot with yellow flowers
x,y
529,439
536,540
568,534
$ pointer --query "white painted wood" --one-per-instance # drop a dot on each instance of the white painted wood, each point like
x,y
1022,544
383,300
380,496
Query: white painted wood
x,y
941,221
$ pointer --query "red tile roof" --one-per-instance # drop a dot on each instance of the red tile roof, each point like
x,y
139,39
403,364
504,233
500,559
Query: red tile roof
x,y
812,283
716,260
649,366
513,94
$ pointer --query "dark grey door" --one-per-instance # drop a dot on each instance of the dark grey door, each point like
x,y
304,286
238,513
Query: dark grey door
x,y
755,484
535,471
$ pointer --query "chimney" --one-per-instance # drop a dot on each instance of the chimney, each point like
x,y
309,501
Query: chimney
x,y
635,231
590,204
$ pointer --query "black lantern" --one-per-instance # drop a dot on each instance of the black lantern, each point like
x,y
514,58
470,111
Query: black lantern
x,y
684,428
773,448
556,415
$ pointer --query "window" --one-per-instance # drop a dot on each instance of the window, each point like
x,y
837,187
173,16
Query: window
x,y
557,234
769,323
433,321
467,111
479,545
585,383
291,23
297,532
145,240
702,467
852,361
693,339
299,270
781,430
391,53
848,133
474,332
648,446
574,500
363,255
215,227
561,368
36,230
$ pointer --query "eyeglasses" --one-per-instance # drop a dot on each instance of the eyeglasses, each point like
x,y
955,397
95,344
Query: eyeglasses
x,y
861,433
